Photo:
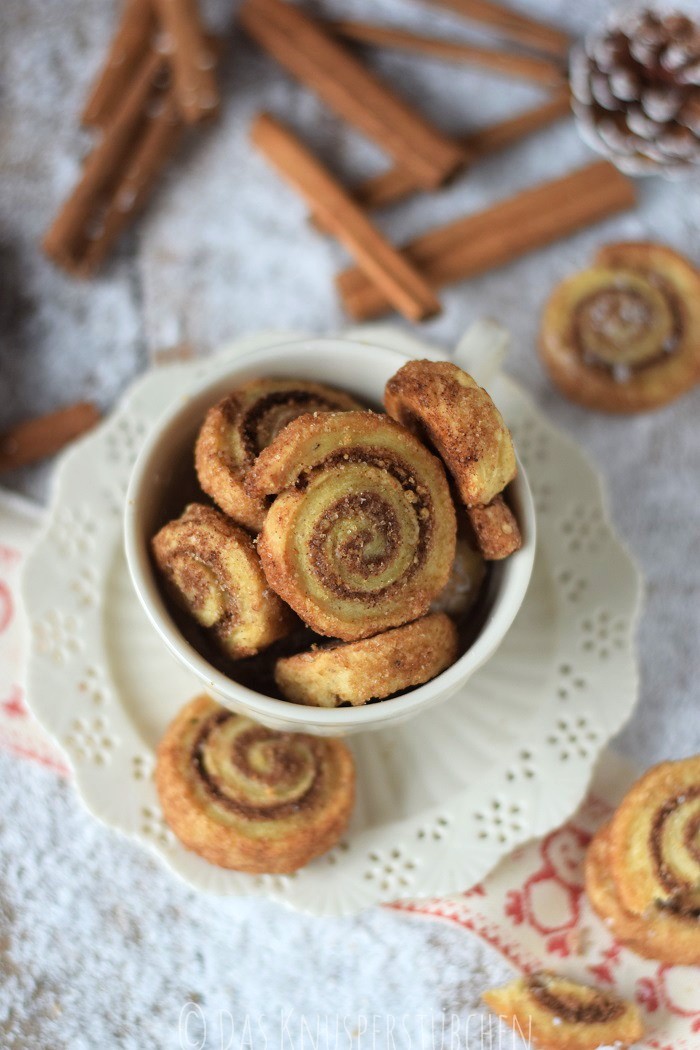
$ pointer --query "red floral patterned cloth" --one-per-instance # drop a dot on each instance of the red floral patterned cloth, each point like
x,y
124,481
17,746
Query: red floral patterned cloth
x,y
19,731
534,911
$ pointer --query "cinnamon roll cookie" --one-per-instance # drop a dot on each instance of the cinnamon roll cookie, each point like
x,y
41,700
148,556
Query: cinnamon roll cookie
x,y
212,570
249,798
237,429
654,839
362,535
443,405
557,1013
669,931
371,669
624,335
441,402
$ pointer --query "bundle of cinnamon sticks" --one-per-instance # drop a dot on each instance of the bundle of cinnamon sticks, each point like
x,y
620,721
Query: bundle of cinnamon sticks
x,y
423,157
158,77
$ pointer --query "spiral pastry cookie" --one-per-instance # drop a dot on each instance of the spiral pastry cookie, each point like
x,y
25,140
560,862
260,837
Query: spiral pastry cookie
x,y
249,798
439,401
213,571
241,426
557,1013
655,837
371,669
668,932
362,537
624,336
444,405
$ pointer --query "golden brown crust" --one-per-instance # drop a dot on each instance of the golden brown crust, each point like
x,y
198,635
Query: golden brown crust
x,y
624,336
248,798
236,430
496,529
440,401
362,537
663,934
371,669
213,571
655,836
557,1013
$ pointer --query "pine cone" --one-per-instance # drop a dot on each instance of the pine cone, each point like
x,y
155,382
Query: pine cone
x,y
636,92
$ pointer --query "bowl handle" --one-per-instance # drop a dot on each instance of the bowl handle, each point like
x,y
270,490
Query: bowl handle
x,y
482,350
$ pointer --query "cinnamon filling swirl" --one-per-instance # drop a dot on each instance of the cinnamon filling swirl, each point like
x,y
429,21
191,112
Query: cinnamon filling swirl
x,y
244,423
213,572
654,839
624,335
667,930
666,868
575,1004
366,550
271,413
285,777
560,1013
362,536
632,322
249,798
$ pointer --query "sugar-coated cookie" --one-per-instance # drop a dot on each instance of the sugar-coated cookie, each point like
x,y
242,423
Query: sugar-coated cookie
x,y
246,797
624,335
212,570
442,403
371,669
240,426
557,1013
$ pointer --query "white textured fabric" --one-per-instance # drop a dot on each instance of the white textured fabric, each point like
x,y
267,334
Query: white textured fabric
x,y
98,945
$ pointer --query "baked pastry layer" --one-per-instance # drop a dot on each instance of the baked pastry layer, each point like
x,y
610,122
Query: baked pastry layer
x,y
668,931
213,572
557,1013
624,335
442,403
371,669
654,837
236,430
362,535
249,798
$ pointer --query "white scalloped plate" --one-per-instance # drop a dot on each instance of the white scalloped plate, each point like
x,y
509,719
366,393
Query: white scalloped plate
x,y
442,798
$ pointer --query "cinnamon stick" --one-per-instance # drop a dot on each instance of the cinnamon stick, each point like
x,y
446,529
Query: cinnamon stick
x,y
477,243
527,67
127,49
158,142
191,57
38,438
394,276
68,235
314,57
120,174
514,26
504,133
396,184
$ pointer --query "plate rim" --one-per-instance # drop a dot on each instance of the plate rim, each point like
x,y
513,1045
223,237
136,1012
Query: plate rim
x,y
449,879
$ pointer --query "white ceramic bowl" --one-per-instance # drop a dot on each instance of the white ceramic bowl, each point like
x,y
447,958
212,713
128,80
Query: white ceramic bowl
x,y
159,488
